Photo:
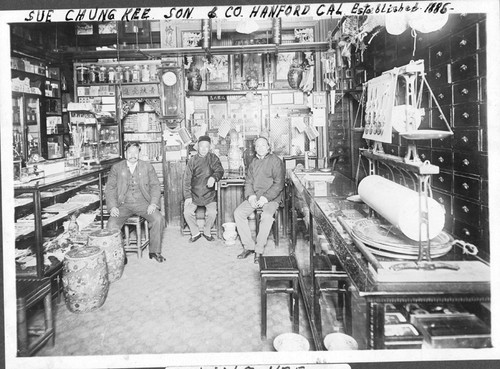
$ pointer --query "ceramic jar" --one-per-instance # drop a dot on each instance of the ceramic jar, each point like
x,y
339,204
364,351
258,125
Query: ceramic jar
x,y
111,242
85,279
295,76
194,78
230,233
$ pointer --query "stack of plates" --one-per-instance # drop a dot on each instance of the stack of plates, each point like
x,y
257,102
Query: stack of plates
x,y
388,241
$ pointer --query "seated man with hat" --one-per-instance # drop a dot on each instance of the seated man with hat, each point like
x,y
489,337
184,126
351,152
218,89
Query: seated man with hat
x,y
202,171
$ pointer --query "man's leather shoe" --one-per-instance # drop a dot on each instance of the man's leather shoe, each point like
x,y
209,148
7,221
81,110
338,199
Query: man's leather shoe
x,y
245,254
208,238
195,238
256,258
158,257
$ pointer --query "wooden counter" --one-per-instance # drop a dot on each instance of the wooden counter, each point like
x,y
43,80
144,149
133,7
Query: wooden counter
x,y
373,281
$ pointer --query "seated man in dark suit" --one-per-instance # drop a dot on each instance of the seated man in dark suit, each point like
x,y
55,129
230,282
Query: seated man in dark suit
x,y
202,171
133,188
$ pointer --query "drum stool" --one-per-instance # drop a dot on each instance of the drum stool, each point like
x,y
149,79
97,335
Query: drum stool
x,y
139,244
281,269
29,293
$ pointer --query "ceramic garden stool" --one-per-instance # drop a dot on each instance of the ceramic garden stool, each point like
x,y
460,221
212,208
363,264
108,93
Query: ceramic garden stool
x,y
279,269
112,243
29,293
140,242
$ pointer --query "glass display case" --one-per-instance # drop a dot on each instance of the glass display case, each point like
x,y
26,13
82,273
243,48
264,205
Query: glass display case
x,y
42,206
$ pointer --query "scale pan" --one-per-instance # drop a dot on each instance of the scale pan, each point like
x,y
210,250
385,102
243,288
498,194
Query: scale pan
x,y
425,134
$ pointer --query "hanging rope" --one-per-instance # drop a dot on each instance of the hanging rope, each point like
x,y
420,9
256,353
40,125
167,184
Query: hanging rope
x,y
414,35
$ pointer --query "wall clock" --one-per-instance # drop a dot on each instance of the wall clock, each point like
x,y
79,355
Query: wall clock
x,y
172,91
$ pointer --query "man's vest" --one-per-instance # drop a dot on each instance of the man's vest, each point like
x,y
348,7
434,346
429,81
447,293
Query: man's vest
x,y
134,193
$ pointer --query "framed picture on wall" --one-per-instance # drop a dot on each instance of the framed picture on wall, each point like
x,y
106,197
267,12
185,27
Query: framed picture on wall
x,y
217,112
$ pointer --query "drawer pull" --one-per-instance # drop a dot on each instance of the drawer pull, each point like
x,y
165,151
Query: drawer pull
x,y
441,179
441,200
465,139
465,209
465,185
463,43
437,75
439,54
441,159
422,156
465,232
465,115
466,162
441,117
463,67
464,91
441,96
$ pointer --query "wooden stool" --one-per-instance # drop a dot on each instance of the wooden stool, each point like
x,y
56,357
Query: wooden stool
x,y
138,245
275,228
30,292
284,269
325,269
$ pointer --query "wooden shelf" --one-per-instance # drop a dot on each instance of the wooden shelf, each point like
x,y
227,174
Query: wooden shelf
x,y
158,53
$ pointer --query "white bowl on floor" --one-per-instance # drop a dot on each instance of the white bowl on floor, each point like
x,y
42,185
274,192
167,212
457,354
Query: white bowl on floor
x,y
340,341
291,342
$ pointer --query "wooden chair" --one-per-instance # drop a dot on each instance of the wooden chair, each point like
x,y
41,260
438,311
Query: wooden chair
x,y
29,293
279,269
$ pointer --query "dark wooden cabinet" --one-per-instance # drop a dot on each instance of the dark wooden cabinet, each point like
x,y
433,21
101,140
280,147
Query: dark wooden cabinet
x,y
455,62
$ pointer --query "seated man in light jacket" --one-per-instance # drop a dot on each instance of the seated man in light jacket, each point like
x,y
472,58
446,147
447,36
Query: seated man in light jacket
x,y
133,188
264,183
202,171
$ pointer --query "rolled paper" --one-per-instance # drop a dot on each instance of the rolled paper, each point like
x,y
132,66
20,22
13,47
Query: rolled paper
x,y
399,206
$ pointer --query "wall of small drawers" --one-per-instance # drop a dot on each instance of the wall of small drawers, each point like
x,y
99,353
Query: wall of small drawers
x,y
455,62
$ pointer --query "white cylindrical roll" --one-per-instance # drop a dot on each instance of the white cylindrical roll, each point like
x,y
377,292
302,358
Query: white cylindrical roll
x,y
399,205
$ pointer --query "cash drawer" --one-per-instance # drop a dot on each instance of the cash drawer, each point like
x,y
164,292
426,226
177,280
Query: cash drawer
x,y
464,68
466,232
466,92
467,140
467,211
443,181
467,187
438,76
464,43
439,53
442,158
467,162
438,119
466,115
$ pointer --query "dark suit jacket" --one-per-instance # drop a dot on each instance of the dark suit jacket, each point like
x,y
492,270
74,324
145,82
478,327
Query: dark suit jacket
x,y
118,179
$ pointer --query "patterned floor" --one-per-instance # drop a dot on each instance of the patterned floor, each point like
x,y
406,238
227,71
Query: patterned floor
x,y
202,299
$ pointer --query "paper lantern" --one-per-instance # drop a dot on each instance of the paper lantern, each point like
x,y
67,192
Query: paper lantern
x,y
427,23
396,24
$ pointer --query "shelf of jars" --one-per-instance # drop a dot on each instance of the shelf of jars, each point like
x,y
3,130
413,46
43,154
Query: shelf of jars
x,y
124,72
